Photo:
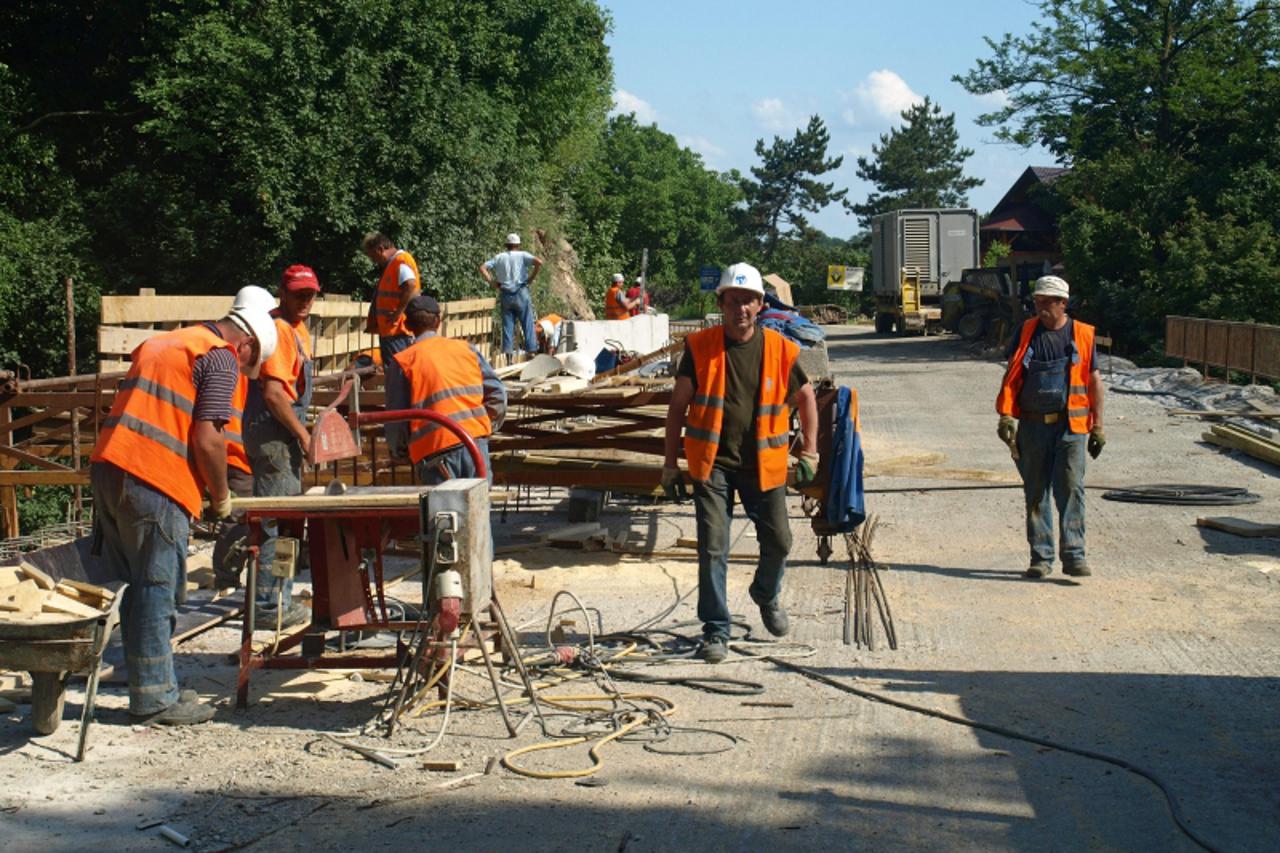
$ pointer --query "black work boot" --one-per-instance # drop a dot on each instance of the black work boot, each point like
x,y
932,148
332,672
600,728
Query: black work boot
x,y
1038,569
775,619
714,649
1076,570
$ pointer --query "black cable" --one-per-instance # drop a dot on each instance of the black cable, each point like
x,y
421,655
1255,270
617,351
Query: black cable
x,y
1174,808
1183,494
709,684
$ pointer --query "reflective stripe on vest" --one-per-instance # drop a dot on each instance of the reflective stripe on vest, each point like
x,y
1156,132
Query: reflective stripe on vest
x,y
1079,406
386,301
148,431
237,457
612,310
706,409
444,376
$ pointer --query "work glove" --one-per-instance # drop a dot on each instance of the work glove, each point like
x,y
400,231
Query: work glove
x,y
219,510
806,469
670,482
1097,441
1007,430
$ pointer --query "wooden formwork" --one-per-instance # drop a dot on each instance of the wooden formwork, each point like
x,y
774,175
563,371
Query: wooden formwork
x,y
1251,348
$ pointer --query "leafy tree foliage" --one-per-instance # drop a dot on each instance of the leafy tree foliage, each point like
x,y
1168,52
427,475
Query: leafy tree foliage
x,y
786,186
1169,115
646,191
917,165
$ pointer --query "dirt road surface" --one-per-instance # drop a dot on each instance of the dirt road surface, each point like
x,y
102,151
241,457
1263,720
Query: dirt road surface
x,y
1168,658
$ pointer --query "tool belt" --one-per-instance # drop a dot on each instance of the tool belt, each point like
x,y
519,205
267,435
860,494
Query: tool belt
x,y
1047,418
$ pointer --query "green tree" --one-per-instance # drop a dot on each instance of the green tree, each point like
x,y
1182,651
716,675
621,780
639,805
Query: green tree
x,y
920,164
1167,113
786,186
644,190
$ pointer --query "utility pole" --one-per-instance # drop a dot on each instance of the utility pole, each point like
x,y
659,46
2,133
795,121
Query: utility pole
x,y
77,493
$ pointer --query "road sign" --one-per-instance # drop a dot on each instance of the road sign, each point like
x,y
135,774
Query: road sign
x,y
709,278
840,277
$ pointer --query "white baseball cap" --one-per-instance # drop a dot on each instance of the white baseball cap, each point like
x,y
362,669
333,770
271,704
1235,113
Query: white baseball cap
x,y
618,277
1051,285
741,276
513,239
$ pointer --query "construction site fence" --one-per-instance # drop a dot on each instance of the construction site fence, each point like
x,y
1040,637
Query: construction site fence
x,y
1251,348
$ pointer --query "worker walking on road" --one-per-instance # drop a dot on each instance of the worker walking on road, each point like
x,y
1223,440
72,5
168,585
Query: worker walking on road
x,y
398,282
161,448
276,436
452,378
735,388
1050,407
512,273
617,305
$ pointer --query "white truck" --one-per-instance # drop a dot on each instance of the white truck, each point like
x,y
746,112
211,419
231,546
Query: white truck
x,y
915,254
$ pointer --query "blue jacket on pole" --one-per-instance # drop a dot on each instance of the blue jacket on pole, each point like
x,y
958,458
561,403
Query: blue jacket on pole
x,y
846,506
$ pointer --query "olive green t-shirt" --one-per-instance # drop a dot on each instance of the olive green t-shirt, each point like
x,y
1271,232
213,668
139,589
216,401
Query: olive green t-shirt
x,y
737,450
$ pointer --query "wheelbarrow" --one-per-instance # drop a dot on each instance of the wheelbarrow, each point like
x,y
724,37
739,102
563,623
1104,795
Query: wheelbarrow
x,y
51,652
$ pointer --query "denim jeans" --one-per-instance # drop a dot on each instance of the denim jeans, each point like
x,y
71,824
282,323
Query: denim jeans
x,y
452,464
713,509
144,541
1052,462
397,389
277,470
517,307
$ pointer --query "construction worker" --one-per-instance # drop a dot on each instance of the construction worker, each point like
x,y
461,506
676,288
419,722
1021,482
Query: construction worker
x,y
735,388
398,283
511,273
452,378
161,448
1050,407
639,297
276,436
549,330
616,304
229,550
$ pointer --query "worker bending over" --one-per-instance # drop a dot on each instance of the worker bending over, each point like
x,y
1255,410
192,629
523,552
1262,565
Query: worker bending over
x,y
276,436
1050,407
735,388
398,282
161,448
512,273
452,378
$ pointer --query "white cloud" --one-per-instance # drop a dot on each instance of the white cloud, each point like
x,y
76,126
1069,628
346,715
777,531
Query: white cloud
x,y
624,102
999,99
708,149
850,117
887,94
772,114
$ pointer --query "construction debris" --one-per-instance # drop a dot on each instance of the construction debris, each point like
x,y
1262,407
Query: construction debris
x,y
28,594
1240,527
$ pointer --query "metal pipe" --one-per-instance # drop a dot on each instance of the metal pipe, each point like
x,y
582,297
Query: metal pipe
x,y
477,458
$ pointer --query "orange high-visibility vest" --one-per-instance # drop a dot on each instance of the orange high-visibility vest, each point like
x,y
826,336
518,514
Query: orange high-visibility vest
x,y
612,310
706,411
1079,404
387,299
237,456
444,376
148,430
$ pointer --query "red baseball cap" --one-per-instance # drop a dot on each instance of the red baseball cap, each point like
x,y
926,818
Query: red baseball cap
x,y
299,277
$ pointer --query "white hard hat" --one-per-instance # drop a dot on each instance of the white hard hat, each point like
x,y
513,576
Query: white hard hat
x,y
254,297
618,277
579,364
1051,285
741,276
513,239
257,321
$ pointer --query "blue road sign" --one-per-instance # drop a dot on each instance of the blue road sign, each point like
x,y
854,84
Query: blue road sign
x,y
709,277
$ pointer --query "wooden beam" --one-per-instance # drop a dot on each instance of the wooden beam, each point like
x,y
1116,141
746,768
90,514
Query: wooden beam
x,y
63,477
163,309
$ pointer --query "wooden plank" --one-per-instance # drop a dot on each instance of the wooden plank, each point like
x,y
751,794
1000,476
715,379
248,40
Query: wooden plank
x,y
36,576
65,477
59,603
29,458
25,597
1240,527
117,310
122,340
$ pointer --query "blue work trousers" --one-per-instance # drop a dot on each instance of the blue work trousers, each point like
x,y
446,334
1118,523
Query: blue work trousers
x,y
1052,462
452,464
144,541
276,461
713,501
517,307
397,391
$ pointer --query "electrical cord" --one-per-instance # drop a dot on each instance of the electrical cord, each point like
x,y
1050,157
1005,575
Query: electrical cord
x,y
1174,808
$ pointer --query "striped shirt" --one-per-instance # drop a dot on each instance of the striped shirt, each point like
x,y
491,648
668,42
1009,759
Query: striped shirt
x,y
215,375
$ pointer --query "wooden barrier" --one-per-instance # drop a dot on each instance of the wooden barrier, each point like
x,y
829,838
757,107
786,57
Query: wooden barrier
x,y
1251,348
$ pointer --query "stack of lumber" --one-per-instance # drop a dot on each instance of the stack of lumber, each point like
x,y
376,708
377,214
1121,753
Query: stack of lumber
x,y
29,595
1249,441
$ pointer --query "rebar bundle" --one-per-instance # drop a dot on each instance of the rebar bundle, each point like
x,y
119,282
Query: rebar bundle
x,y
864,595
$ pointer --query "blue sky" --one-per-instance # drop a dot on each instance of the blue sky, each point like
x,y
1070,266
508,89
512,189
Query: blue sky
x,y
719,75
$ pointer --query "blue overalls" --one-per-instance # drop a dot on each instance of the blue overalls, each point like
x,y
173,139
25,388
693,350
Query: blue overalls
x,y
1051,459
